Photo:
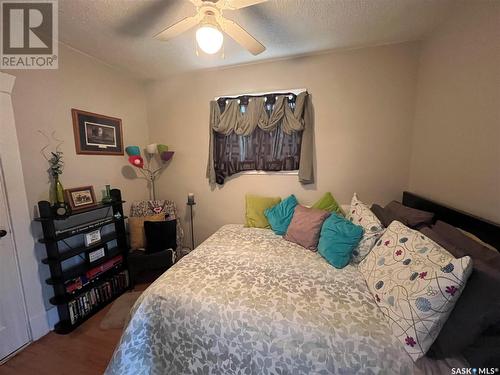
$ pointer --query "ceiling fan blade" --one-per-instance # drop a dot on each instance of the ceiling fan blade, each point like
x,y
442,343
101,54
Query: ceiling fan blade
x,y
139,21
178,28
238,4
240,35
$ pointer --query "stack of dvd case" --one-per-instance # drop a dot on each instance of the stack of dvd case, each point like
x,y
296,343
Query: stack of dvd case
x,y
86,302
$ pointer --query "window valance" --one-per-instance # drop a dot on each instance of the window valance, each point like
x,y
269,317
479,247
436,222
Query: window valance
x,y
247,116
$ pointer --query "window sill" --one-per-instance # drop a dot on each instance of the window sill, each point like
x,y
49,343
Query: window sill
x,y
283,173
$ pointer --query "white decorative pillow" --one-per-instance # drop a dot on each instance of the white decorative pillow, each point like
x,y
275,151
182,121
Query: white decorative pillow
x,y
416,284
360,214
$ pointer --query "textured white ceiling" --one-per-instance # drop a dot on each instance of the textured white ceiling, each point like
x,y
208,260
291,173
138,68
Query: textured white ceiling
x,y
119,32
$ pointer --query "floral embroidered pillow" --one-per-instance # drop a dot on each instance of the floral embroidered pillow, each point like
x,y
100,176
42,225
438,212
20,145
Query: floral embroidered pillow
x,y
416,284
361,215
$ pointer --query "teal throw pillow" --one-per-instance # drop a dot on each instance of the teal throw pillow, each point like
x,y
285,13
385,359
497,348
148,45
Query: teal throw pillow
x,y
338,238
280,216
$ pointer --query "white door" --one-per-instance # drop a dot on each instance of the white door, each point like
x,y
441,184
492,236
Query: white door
x,y
13,324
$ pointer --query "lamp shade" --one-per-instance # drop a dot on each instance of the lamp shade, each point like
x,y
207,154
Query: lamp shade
x,y
166,155
161,148
133,151
136,161
151,149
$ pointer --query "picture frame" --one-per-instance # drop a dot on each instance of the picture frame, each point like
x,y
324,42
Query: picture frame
x,y
91,238
97,134
81,198
96,254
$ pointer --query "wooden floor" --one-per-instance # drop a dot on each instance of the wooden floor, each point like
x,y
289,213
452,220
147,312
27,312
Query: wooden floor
x,y
85,351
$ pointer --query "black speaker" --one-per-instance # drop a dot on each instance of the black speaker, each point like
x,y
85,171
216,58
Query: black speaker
x,y
57,211
45,209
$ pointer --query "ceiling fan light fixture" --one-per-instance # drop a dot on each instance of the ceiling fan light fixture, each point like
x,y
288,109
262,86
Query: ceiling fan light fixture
x,y
209,39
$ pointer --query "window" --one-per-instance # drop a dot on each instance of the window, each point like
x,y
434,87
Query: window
x,y
256,133
262,151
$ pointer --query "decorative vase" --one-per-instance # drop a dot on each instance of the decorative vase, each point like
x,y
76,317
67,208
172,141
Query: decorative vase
x,y
60,207
107,195
59,190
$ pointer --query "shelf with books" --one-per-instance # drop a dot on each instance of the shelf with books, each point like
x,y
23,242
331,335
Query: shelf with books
x,y
65,326
85,303
89,285
83,282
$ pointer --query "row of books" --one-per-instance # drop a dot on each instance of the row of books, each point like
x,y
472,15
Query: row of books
x,y
86,302
81,281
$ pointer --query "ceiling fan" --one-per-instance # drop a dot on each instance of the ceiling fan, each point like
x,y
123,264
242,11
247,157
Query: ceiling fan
x,y
211,22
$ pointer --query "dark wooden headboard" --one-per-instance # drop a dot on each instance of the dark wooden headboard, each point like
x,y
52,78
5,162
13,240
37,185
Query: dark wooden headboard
x,y
486,230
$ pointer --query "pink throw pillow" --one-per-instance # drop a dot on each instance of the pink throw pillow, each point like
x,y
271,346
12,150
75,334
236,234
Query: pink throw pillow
x,y
306,226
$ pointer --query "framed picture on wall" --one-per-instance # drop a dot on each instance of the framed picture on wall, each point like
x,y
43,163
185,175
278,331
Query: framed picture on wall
x,y
81,197
97,134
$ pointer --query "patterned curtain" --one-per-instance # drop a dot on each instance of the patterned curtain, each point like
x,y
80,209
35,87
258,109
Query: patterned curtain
x,y
258,133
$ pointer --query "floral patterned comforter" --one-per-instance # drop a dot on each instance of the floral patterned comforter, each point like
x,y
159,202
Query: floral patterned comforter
x,y
248,302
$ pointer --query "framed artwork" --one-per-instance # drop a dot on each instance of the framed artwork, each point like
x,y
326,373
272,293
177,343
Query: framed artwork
x,y
92,238
81,197
97,134
95,255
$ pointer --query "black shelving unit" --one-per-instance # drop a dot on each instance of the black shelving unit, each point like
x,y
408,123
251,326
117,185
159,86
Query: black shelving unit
x,y
97,286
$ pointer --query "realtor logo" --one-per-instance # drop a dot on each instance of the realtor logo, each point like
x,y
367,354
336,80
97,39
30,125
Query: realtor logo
x,y
29,34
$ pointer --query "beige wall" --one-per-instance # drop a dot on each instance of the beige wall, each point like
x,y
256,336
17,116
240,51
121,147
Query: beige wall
x,y
364,103
43,99
456,140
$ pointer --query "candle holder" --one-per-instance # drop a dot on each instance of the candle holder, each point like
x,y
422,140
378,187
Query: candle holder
x,y
191,203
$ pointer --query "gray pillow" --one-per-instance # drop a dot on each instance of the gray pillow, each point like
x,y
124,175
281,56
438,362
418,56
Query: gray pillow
x,y
382,214
477,312
467,245
411,217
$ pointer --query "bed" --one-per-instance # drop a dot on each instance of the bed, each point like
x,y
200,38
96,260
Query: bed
x,y
248,302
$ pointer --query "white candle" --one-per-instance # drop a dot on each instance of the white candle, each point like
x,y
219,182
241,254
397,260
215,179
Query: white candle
x,y
151,149
190,198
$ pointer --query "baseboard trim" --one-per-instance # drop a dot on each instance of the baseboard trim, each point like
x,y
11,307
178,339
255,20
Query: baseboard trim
x,y
13,354
39,325
52,317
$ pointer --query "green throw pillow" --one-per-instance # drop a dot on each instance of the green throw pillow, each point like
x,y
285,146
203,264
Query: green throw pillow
x,y
338,238
328,203
255,206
